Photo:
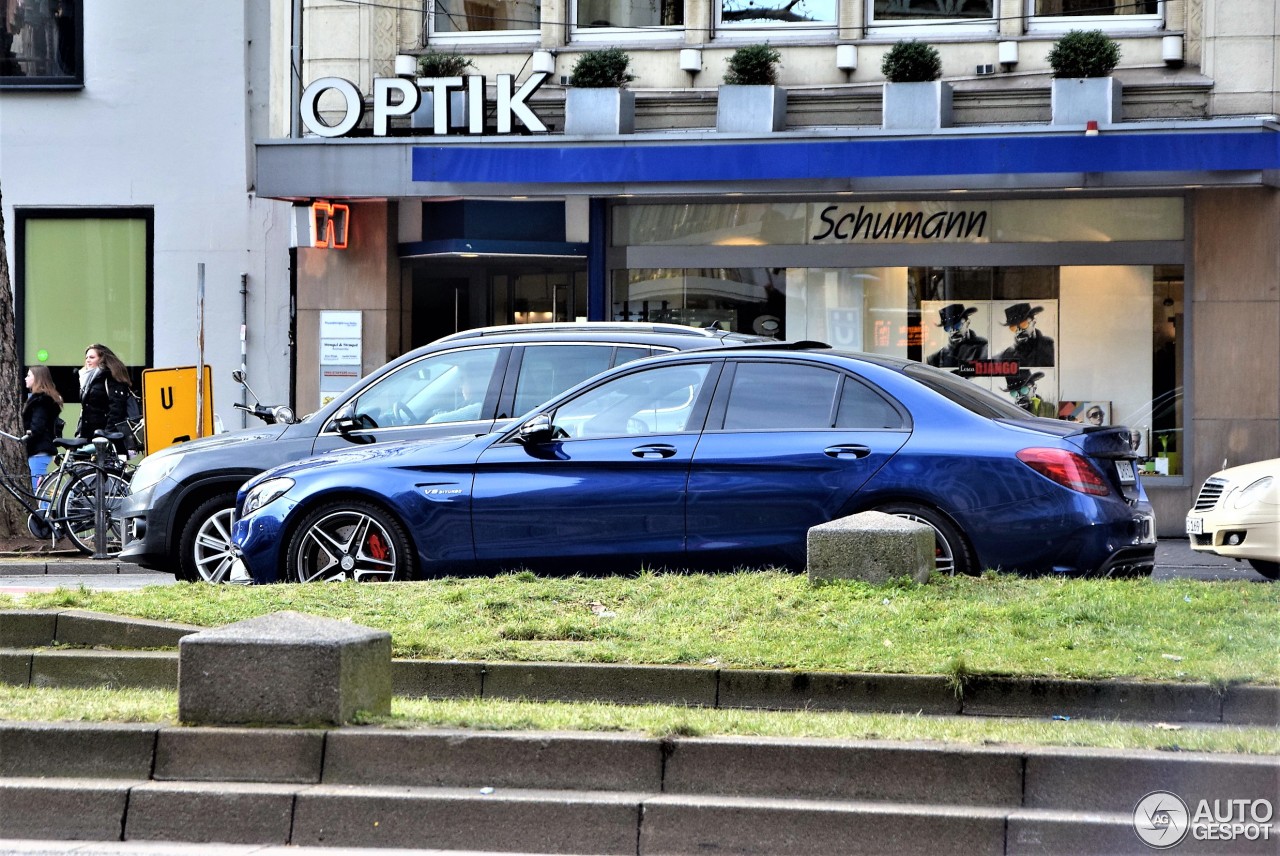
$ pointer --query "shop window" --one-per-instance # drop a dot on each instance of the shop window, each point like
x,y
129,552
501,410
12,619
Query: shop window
x,y
1054,15
611,19
750,300
82,276
776,15
41,44
484,20
942,16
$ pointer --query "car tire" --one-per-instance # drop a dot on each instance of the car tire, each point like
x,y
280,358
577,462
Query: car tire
x,y
348,540
1270,570
951,550
204,548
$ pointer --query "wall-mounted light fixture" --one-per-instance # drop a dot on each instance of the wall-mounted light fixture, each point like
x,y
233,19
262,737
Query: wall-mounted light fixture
x,y
544,62
1171,51
691,60
1008,54
847,58
406,65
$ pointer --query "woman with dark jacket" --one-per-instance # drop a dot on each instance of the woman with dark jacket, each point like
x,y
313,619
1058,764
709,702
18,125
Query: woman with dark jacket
x,y
104,391
40,421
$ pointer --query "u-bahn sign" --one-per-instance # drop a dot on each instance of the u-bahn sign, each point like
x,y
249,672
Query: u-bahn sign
x,y
510,106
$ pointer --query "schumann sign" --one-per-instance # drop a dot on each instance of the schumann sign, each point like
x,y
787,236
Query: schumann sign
x,y
900,222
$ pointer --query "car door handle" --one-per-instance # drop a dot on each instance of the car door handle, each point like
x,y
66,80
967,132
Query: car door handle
x,y
847,450
654,450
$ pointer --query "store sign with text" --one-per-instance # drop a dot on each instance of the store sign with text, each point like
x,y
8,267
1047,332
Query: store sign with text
x,y
399,96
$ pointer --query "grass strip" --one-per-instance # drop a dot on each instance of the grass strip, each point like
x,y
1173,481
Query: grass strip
x,y
1175,630
161,707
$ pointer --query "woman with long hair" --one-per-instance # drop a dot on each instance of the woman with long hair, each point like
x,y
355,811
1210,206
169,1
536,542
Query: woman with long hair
x,y
40,421
104,391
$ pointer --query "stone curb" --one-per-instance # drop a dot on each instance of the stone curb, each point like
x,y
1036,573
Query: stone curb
x,y
55,566
23,633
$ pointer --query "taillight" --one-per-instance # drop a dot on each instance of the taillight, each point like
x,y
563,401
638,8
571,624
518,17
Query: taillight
x,y
1067,469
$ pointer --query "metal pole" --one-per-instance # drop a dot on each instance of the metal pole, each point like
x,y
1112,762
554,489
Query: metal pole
x,y
100,445
200,349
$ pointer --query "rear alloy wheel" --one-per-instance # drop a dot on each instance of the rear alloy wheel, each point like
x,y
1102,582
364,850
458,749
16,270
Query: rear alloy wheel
x,y
1270,570
348,541
951,551
204,550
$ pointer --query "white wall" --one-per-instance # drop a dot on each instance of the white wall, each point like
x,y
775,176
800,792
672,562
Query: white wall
x,y
162,123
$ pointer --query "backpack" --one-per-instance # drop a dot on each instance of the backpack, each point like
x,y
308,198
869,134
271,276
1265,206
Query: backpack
x,y
133,404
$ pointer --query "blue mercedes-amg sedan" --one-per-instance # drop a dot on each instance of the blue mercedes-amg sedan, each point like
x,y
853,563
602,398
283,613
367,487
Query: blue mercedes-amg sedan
x,y
712,460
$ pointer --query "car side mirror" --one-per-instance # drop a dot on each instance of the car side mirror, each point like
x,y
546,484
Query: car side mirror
x,y
537,430
346,423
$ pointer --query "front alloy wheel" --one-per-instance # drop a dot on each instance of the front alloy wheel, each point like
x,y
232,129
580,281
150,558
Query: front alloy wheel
x,y
205,549
348,541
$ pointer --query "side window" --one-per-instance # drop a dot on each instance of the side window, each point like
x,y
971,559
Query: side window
x,y
41,44
863,409
781,397
1061,15
446,387
654,401
548,370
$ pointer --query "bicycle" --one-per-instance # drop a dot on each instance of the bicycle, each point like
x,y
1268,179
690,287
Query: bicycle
x,y
65,502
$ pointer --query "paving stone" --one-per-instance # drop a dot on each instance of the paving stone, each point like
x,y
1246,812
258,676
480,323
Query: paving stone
x,y
450,818
281,755
457,758
227,812
436,679
27,628
778,690
1162,702
602,682
15,668
284,668
870,546
1040,833
76,749
43,808
79,627
1250,705
72,668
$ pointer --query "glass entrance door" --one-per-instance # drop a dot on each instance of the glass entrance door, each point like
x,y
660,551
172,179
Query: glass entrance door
x,y
527,298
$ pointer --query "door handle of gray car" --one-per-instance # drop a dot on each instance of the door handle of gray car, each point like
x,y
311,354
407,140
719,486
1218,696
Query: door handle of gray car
x,y
655,450
848,450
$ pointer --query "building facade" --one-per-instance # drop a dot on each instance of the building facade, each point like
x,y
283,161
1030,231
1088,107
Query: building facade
x,y
126,167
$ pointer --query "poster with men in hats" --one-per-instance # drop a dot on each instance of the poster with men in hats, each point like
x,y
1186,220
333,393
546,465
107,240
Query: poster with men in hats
x,y
1006,346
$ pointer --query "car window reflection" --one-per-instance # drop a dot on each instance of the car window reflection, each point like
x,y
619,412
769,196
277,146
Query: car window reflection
x,y
658,401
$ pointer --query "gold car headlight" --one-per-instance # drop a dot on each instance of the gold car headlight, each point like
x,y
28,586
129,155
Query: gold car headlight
x,y
1254,493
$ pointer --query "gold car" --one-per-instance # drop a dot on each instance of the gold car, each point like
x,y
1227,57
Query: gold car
x,y
1237,515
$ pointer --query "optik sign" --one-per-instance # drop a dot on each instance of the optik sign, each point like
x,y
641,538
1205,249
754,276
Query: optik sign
x,y
510,106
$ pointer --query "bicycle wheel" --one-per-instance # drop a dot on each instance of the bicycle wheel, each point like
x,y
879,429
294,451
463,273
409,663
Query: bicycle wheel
x,y
77,504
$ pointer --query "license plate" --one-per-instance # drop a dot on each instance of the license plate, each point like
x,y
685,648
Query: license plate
x,y
1125,468
1195,526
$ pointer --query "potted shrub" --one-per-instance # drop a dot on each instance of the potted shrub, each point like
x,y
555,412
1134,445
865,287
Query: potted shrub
x,y
436,64
915,98
750,101
598,101
1082,87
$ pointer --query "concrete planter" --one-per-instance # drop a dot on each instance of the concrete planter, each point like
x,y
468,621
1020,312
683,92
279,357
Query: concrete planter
x,y
751,109
1079,100
599,112
922,106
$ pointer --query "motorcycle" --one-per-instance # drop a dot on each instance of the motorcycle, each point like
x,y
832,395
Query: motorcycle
x,y
271,414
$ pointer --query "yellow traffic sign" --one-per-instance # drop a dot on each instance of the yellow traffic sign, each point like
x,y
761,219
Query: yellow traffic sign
x,y
169,406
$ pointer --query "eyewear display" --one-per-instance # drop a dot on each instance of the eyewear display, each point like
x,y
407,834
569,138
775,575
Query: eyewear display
x,y
1021,325
952,328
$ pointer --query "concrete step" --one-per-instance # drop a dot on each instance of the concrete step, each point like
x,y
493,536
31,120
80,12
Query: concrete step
x,y
594,793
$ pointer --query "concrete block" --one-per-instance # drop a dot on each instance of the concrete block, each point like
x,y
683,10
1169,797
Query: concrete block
x,y
436,679
1132,700
225,812
76,750
456,819
601,682
1114,780
1033,833
871,546
700,825
27,628
778,690
71,668
284,668
79,627
844,770
15,668
606,762
1250,705
239,755
42,808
